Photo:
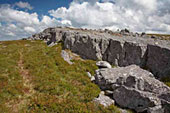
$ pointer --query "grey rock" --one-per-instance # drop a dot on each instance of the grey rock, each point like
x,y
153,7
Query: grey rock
x,y
114,53
118,50
133,88
92,78
158,60
166,106
124,110
103,64
135,99
78,42
52,44
104,100
156,109
89,75
50,34
108,92
66,57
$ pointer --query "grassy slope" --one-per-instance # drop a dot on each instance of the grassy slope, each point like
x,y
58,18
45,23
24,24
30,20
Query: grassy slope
x,y
58,86
162,36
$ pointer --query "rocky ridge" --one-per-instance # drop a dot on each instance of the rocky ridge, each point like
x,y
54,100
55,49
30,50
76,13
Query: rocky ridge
x,y
118,48
127,85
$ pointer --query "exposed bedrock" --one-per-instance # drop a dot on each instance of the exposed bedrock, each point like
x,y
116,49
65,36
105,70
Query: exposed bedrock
x,y
158,60
134,88
87,47
122,51
145,52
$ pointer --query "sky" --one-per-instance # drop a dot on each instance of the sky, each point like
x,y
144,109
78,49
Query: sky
x,y
22,18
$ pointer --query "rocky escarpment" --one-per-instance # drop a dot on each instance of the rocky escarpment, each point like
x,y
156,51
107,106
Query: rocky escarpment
x,y
120,49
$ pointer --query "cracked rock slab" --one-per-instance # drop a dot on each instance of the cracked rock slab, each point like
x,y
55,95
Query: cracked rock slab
x,y
134,88
104,100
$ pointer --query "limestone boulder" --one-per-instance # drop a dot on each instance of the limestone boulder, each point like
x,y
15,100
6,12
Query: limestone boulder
x,y
103,64
134,88
65,55
104,100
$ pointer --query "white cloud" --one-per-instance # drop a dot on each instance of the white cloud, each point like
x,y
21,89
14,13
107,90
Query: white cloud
x,y
137,15
19,24
24,5
30,29
86,15
11,15
48,21
66,22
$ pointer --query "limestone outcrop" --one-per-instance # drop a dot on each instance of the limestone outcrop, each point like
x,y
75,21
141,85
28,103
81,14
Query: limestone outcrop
x,y
66,56
128,85
116,48
134,88
103,64
104,100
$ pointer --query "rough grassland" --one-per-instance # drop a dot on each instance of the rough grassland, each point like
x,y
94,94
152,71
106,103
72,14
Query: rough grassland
x,y
35,79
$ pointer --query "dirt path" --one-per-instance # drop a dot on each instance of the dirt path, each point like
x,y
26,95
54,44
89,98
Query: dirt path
x,y
28,87
26,77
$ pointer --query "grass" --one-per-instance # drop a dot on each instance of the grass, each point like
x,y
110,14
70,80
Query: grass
x,y
10,81
58,86
161,36
166,80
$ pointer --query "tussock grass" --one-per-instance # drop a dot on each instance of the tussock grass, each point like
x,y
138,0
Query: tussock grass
x,y
59,87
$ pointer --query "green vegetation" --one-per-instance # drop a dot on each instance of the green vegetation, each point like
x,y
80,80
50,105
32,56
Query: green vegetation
x,y
166,80
35,79
10,81
161,36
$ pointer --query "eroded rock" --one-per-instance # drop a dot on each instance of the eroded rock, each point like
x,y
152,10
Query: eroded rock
x,y
134,88
104,100
92,78
118,50
51,44
103,64
158,60
135,99
65,55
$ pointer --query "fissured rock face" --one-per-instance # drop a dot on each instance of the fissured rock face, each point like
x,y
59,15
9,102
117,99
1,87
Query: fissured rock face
x,y
158,60
123,51
134,88
118,50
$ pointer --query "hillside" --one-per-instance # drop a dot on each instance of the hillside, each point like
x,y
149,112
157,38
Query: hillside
x,y
78,70
35,78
